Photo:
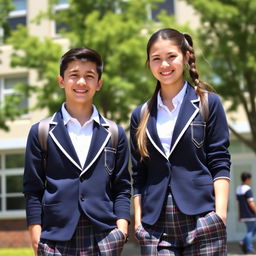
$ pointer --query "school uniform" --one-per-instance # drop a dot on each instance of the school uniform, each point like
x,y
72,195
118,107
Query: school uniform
x,y
75,192
176,182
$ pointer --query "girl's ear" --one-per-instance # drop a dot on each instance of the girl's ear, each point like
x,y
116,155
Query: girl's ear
x,y
187,56
60,81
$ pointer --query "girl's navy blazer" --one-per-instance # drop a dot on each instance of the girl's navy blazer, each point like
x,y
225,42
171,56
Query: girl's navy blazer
x,y
57,196
198,155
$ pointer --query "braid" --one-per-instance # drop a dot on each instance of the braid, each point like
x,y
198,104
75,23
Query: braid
x,y
200,85
192,60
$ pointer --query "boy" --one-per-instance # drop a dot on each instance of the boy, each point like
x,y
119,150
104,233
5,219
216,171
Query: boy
x,y
79,203
247,211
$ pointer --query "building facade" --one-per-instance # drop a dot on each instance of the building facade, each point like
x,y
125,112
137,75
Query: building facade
x,y
13,142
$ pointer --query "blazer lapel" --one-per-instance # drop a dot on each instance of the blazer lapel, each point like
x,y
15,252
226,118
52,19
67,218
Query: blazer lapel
x,y
60,136
99,140
152,132
187,113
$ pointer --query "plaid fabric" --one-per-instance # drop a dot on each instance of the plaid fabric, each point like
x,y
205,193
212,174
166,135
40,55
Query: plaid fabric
x,y
85,243
178,234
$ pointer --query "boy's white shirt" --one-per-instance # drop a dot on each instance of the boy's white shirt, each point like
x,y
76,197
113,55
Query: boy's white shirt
x,y
80,136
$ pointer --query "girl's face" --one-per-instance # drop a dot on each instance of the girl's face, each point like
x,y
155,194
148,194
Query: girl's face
x,y
166,62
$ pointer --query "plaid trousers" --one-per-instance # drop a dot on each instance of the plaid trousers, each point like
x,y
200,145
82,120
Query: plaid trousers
x,y
182,235
85,242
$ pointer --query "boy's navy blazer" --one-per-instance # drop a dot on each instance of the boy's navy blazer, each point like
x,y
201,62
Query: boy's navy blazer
x,y
57,196
198,155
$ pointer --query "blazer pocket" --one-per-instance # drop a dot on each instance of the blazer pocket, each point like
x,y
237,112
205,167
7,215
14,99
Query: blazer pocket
x,y
110,159
198,133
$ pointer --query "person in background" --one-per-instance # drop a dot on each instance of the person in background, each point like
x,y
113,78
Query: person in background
x,y
79,204
247,211
180,158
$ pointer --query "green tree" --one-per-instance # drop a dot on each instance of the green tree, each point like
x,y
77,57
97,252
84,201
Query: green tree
x,y
117,29
228,36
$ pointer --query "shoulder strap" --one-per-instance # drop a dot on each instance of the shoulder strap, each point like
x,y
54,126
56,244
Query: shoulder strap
x,y
204,106
43,130
113,128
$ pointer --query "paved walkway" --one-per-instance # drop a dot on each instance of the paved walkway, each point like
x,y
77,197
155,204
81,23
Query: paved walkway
x,y
233,250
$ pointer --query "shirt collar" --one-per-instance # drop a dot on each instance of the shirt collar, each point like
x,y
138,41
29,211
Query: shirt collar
x,y
176,100
67,117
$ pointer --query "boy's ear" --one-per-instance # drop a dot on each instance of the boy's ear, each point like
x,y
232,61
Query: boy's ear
x,y
60,81
100,83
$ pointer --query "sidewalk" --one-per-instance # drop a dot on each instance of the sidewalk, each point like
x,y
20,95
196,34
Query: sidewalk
x,y
235,250
131,249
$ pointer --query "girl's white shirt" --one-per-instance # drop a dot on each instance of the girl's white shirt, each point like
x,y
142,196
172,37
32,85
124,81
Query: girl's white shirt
x,y
166,119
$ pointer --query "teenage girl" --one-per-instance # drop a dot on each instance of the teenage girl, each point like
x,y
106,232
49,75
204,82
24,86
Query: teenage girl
x,y
180,158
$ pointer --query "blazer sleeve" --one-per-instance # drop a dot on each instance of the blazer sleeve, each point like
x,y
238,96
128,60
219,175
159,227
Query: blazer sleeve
x,y
217,137
139,173
121,182
34,178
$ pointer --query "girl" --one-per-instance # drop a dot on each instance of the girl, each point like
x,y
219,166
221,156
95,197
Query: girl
x,y
180,160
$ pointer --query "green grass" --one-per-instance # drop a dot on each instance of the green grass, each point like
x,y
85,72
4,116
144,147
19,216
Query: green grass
x,y
16,252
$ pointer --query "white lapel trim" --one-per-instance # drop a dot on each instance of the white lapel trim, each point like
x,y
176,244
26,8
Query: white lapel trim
x,y
53,122
97,155
64,151
154,144
186,126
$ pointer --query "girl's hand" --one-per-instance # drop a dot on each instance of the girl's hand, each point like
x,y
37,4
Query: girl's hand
x,y
137,224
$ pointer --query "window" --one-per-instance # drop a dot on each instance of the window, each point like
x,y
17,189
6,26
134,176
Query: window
x,y
167,5
7,87
19,14
11,173
60,7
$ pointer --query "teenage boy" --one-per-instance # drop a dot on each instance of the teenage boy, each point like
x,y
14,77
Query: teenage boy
x,y
247,211
79,203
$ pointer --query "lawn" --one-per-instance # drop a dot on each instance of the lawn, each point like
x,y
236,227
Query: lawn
x,y
16,252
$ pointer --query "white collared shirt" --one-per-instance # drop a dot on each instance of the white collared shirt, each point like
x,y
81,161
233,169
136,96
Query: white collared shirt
x,y
80,136
166,119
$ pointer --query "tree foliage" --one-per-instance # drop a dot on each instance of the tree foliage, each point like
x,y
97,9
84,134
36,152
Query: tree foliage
x,y
117,29
228,36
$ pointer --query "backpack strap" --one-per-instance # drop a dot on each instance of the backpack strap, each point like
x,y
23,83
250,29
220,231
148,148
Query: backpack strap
x,y
43,130
113,128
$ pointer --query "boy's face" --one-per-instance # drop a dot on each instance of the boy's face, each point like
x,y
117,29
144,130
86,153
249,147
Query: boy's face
x,y
80,82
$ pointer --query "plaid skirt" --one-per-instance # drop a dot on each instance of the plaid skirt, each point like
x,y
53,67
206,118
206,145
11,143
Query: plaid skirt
x,y
178,234
85,242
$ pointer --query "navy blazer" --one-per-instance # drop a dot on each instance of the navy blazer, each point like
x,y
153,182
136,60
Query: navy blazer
x,y
198,155
56,197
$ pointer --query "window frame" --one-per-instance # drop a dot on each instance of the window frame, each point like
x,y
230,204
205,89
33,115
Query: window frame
x,y
57,8
4,195
19,14
5,92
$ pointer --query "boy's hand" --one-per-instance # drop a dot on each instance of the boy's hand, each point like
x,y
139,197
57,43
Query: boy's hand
x,y
35,232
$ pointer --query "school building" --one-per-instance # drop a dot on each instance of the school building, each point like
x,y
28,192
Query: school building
x,y
13,231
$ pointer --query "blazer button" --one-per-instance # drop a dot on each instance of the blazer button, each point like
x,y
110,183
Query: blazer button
x,y
82,197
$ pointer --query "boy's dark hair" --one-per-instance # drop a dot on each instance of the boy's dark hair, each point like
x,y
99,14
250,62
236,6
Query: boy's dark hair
x,y
245,176
83,54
